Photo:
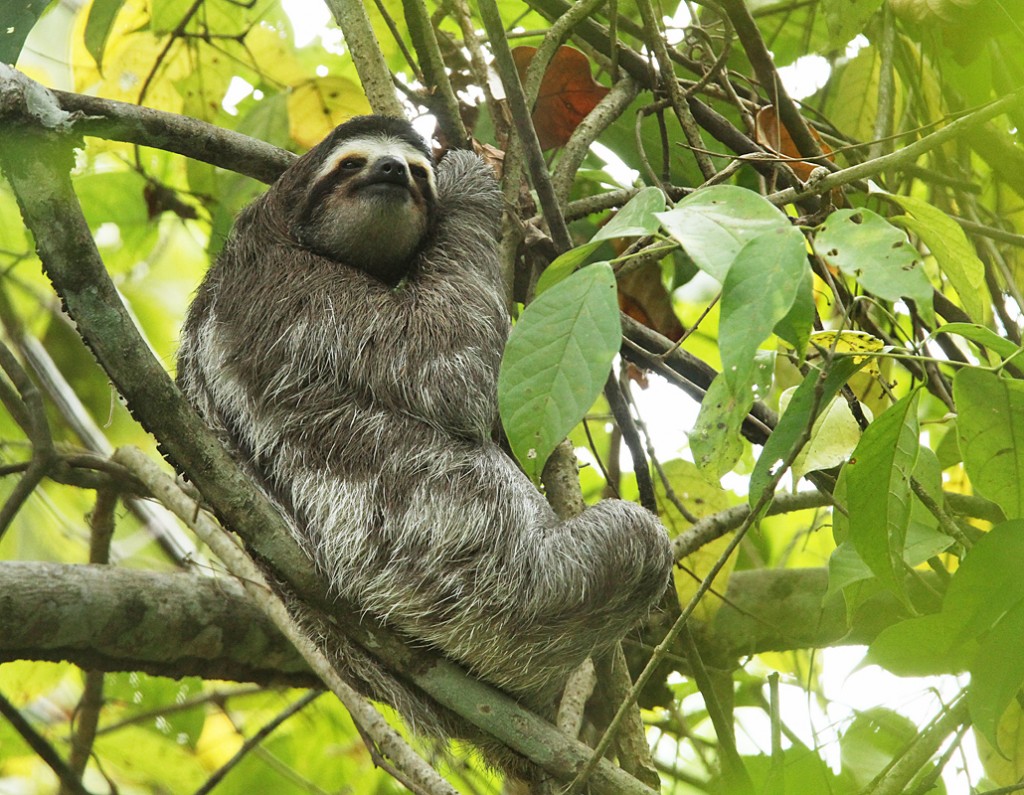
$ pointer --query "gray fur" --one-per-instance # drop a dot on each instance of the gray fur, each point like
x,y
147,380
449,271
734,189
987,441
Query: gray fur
x,y
366,411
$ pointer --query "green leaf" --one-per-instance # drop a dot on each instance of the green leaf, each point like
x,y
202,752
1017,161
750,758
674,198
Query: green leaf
x,y
98,26
953,252
796,417
982,336
997,673
564,265
990,429
988,581
872,741
557,361
923,646
877,254
19,19
715,223
878,491
637,218
715,438
846,18
795,327
853,102
758,292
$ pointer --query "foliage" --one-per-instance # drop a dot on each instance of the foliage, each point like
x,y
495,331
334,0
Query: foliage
x,y
836,282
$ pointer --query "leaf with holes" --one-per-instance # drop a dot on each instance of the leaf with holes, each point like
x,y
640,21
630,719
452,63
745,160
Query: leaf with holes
x,y
557,361
879,256
953,252
714,224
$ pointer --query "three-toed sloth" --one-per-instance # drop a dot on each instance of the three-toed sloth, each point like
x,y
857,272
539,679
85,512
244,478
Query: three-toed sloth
x,y
346,345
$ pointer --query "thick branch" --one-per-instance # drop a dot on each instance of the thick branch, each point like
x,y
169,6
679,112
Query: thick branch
x,y
172,132
369,60
115,619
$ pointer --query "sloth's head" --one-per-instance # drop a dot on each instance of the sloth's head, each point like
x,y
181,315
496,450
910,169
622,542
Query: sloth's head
x,y
364,196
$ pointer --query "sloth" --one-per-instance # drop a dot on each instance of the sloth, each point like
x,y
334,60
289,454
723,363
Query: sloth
x,y
346,347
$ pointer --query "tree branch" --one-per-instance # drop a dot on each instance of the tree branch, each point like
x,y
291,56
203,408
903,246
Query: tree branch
x,y
905,155
369,60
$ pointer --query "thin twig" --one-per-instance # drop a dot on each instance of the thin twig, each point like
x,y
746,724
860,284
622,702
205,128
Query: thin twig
x,y
44,456
252,742
907,154
371,67
630,435
684,115
86,719
42,748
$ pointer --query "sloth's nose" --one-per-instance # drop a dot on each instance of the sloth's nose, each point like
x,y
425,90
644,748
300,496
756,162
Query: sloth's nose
x,y
389,169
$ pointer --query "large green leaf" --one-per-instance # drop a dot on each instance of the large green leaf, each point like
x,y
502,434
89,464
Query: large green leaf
x,y
922,646
714,224
990,429
953,252
988,581
878,490
557,361
878,255
758,292
18,21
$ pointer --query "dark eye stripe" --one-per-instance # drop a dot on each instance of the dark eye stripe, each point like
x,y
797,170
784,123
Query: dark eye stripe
x,y
418,171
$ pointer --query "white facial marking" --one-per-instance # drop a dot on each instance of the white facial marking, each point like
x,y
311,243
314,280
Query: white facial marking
x,y
373,147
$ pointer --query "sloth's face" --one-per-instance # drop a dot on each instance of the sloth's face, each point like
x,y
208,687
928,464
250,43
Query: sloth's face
x,y
369,205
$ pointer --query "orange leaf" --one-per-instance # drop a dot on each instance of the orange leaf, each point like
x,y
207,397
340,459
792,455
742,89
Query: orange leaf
x,y
567,93
772,135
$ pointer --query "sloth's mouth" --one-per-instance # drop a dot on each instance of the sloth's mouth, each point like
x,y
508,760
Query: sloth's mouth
x,y
385,187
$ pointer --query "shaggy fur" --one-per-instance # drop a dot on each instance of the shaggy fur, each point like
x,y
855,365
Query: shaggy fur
x,y
366,412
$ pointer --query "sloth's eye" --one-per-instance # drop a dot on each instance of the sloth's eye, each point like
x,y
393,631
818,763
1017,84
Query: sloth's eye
x,y
419,172
353,163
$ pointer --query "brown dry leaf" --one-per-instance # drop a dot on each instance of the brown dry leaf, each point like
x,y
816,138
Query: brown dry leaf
x,y
773,135
642,296
568,92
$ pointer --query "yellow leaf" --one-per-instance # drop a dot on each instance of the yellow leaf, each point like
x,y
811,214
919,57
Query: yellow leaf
x,y
218,742
317,107
131,56
272,50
